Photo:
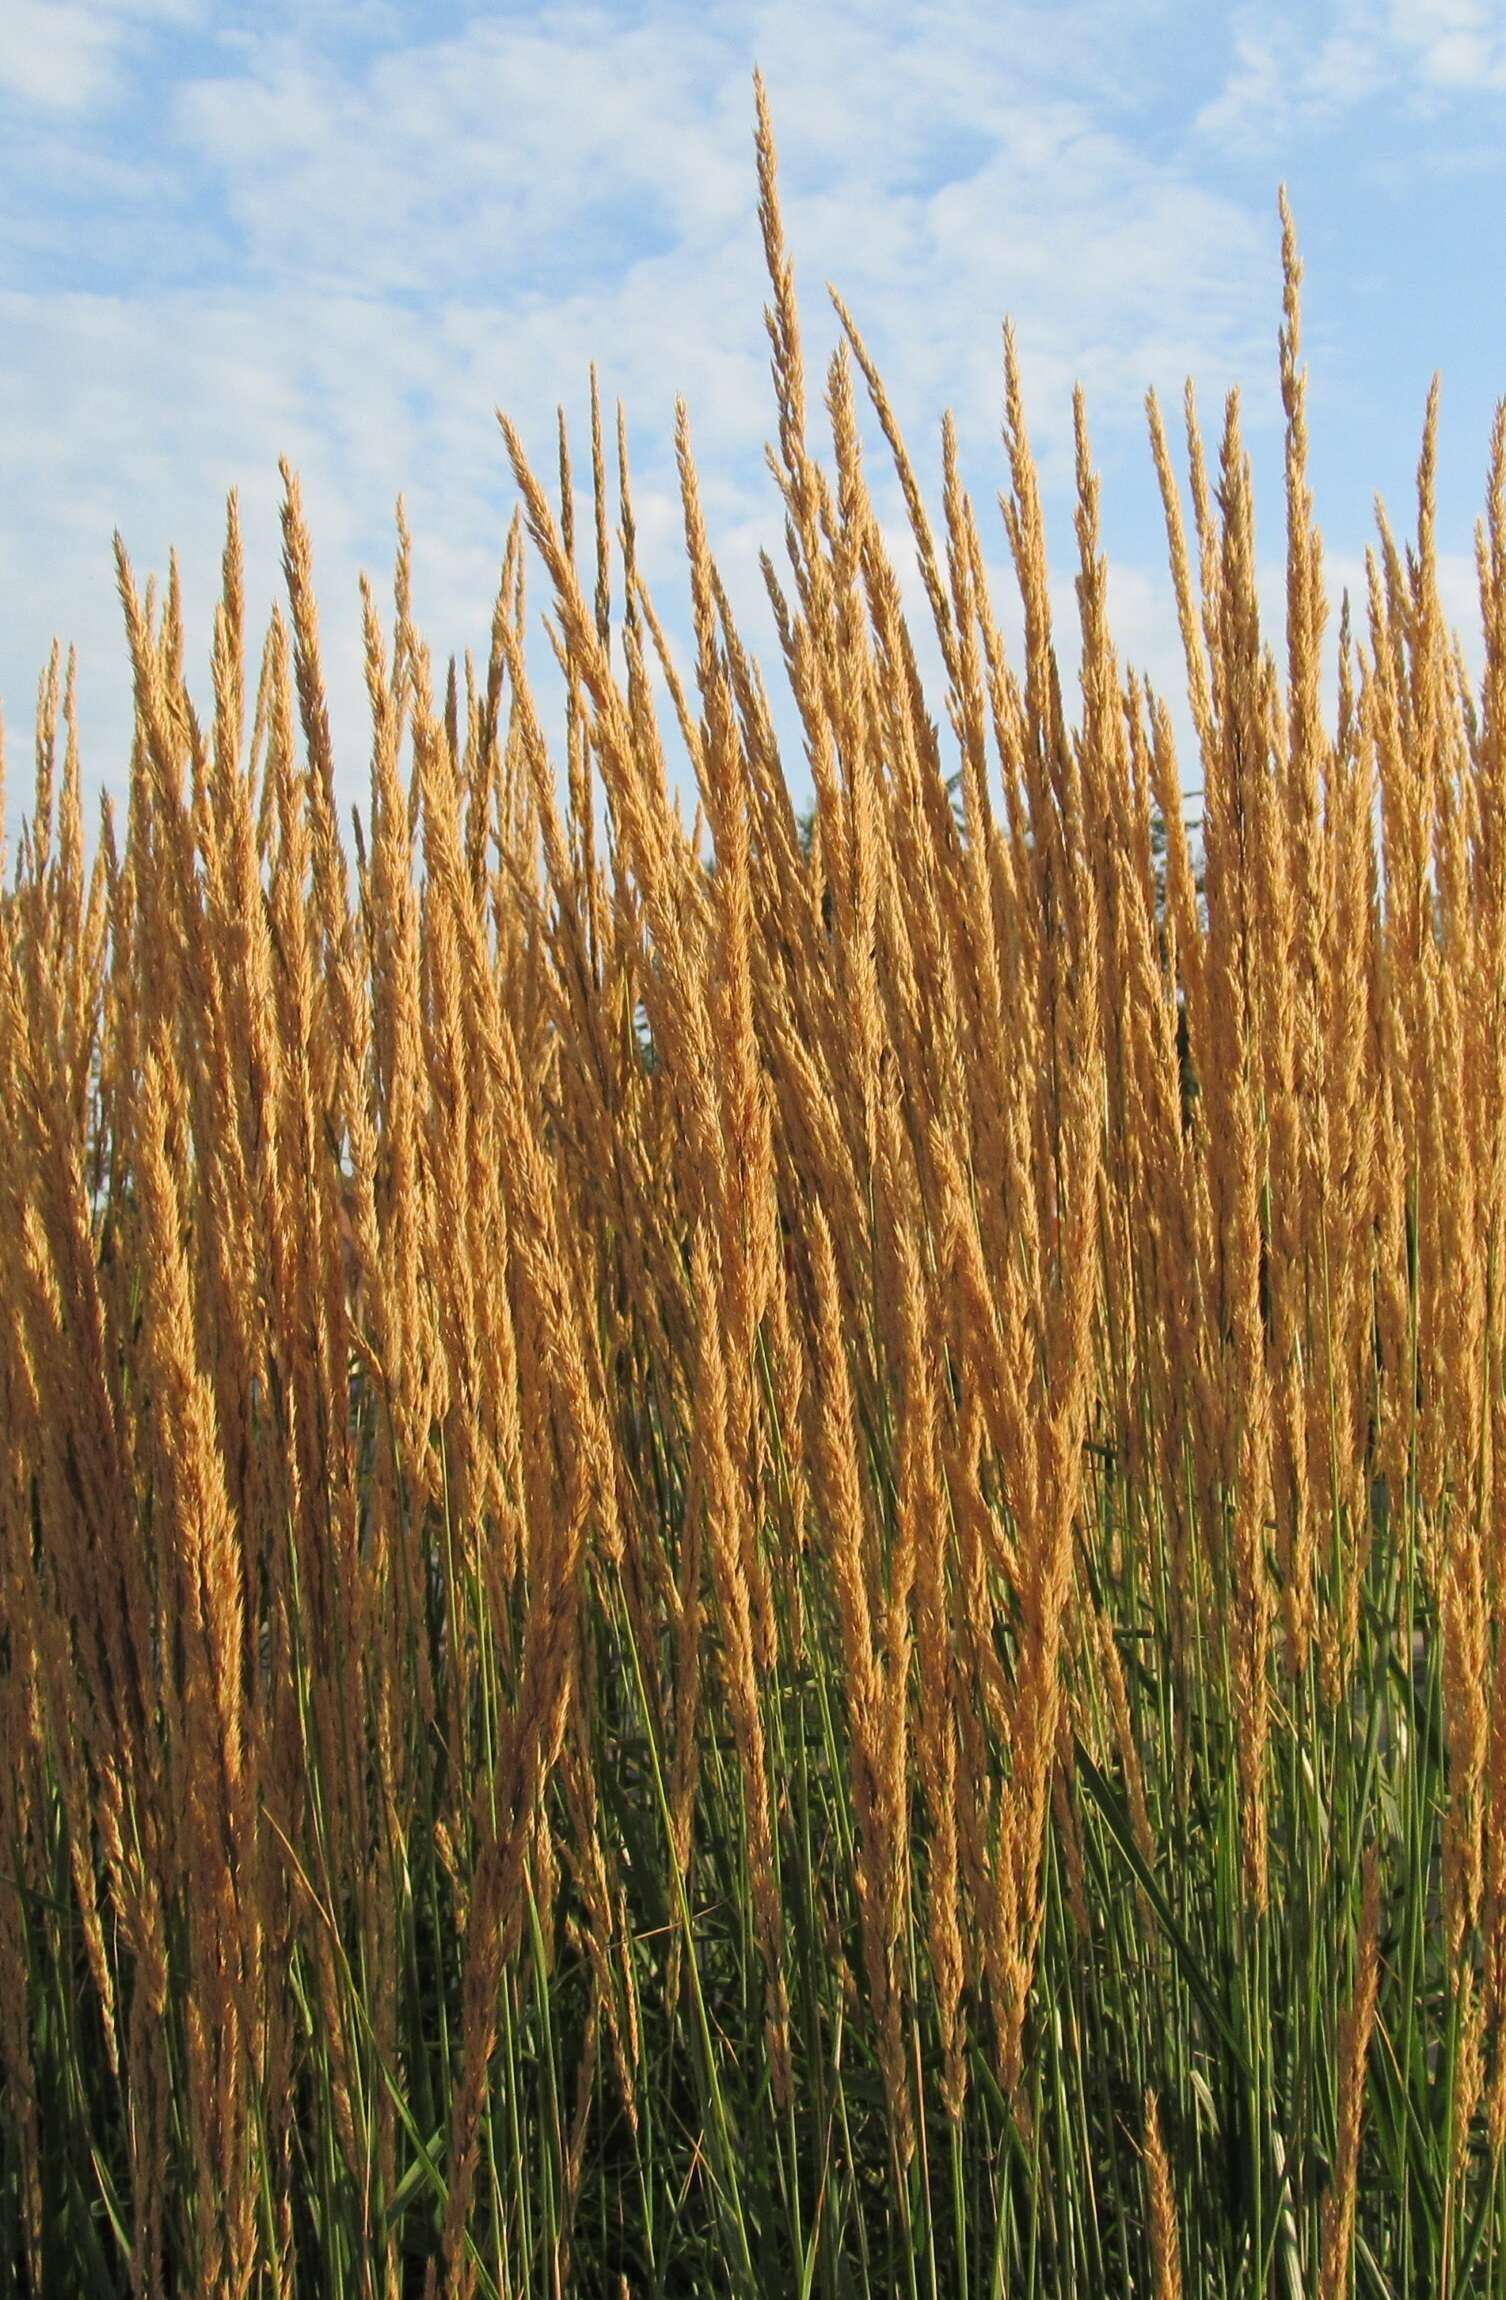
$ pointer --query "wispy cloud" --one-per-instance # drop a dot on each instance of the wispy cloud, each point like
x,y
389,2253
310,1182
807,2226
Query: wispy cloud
x,y
1305,67
1453,44
70,56
348,235
410,227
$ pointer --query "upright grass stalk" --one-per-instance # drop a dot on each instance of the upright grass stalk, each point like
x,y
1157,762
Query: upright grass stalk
x,y
767,1554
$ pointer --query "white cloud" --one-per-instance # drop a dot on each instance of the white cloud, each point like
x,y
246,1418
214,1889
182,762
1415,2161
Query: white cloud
x,y
58,55
418,230
1453,44
1289,71
405,228
68,56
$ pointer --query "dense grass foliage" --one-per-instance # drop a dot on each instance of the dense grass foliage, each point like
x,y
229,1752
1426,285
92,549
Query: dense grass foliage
x,y
767,1558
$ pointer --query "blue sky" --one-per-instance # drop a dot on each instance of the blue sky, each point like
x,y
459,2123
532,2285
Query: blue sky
x,y
349,234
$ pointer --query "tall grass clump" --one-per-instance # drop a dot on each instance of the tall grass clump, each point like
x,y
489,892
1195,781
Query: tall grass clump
x,y
767,1558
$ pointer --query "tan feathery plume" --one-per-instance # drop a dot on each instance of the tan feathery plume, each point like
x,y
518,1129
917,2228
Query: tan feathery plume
x,y
1336,2271
841,1493
1165,2238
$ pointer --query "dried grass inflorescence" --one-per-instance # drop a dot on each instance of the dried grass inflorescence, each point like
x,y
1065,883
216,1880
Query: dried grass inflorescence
x,y
730,1554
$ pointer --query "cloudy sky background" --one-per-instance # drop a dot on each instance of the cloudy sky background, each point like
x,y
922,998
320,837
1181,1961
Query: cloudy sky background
x,y
229,232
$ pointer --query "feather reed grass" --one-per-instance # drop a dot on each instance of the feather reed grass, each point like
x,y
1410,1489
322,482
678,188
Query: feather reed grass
x,y
770,1557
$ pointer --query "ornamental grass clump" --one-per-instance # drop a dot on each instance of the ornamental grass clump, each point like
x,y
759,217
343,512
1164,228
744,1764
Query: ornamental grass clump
x,y
767,1555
